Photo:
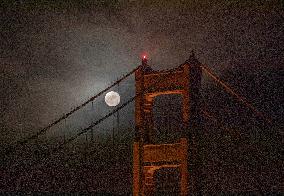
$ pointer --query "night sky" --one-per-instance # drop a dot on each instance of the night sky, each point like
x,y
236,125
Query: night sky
x,y
55,55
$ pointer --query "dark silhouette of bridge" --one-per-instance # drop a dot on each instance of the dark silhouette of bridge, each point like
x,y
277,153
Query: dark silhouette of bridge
x,y
47,154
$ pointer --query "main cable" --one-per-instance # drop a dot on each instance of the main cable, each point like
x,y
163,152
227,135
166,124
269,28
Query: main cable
x,y
231,91
220,123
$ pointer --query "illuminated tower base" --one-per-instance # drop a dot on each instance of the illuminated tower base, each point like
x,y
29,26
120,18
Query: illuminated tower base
x,y
155,157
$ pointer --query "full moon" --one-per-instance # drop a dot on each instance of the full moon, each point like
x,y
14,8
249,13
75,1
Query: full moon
x,y
112,98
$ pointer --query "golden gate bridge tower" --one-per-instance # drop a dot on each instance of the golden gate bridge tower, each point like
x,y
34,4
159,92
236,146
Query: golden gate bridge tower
x,y
149,157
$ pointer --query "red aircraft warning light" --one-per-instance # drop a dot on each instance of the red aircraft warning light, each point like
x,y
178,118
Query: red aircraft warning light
x,y
144,60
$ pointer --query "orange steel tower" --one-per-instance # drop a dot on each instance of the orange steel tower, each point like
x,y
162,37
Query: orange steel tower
x,y
149,157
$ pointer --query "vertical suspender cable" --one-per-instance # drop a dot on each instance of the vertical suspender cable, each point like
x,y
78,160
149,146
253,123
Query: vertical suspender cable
x,y
92,131
92,135
113,125
117,115
64,131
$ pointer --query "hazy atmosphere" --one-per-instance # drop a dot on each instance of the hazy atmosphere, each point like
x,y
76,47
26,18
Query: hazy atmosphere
x,y
56,55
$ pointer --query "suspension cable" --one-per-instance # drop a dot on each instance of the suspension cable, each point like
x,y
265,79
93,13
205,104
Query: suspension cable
x,y
218,121
231,91
65,116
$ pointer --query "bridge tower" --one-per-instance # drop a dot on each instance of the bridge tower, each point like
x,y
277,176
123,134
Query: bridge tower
x,y
148,157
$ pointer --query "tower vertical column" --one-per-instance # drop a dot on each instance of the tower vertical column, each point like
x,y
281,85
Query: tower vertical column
x,y
186,99
194,162
139,80
139,126
183,168
149,125
136,169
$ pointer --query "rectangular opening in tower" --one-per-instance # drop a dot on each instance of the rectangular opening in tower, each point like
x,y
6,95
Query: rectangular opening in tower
x,y
167,181
167,118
